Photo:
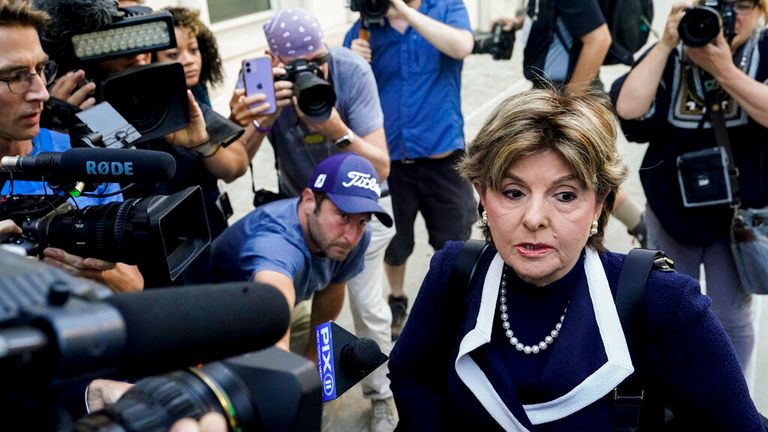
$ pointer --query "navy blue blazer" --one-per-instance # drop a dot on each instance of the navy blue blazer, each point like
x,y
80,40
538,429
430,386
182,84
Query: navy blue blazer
x,y
687,363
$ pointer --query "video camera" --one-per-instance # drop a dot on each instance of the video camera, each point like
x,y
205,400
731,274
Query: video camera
x,y
59,332
163,232
372,11
701,24
498,43
315,95
151,98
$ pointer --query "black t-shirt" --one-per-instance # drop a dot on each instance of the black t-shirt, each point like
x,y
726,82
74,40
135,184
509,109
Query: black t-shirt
x,y
554,41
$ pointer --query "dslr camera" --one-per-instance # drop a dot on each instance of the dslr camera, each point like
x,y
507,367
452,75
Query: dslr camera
x,y
498,43
315,95
701,24
372,11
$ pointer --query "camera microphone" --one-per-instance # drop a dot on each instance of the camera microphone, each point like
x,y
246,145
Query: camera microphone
x,y
143,333
343,359
93,164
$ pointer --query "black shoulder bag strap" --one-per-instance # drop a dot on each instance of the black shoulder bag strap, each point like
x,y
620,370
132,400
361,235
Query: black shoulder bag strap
x,y
713,98
628,396
464,269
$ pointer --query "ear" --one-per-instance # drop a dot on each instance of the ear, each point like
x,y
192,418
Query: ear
x,y
598,210
275,60
480,188
308,200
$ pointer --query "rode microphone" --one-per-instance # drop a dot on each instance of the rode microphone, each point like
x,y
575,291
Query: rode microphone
x,y
94,165
343,359
138,334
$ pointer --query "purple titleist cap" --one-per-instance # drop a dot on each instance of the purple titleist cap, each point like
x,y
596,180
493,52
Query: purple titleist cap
x,y
351,184
293,33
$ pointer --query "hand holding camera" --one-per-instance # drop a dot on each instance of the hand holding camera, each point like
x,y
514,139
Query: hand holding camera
x,y
195,133
363,48
670,38
75,89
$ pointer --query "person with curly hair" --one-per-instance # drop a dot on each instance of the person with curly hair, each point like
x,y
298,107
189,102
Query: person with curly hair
x,y
197,50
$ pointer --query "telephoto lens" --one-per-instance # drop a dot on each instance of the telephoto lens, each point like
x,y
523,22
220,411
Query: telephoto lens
x,y
370,9
315,95
699,26
266,390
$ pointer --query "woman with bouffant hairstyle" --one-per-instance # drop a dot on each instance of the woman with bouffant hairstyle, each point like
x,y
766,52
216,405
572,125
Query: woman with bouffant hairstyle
x,y
534,341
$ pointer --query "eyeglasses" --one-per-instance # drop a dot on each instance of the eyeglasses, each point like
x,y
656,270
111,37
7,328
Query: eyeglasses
x,y
744,6
20,80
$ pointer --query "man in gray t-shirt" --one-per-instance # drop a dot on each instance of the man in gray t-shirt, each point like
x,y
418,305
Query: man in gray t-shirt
x,y
355,124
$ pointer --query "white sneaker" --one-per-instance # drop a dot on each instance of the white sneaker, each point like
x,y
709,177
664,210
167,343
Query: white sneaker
x,y
384,417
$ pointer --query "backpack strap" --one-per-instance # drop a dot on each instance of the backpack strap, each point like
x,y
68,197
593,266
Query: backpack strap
x,y
628,396
466,263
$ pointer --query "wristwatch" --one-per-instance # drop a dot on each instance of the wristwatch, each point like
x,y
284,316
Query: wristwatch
x,y
345,140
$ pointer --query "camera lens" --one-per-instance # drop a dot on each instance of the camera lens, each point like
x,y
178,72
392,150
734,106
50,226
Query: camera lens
x,y
375,8
154,403
155,230
316,96
699,26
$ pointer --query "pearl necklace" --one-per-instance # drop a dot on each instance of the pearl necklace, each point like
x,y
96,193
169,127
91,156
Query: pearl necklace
x,y
527,349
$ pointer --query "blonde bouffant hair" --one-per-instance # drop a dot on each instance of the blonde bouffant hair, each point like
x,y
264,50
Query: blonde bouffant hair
x,y
581,129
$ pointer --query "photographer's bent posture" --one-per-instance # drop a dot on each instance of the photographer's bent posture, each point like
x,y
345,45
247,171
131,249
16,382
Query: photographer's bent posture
x,y
662,101
354,123
24,73
534,341
307,247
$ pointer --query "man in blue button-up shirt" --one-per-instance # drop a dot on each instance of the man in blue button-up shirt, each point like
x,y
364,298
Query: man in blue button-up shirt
x,y
416,56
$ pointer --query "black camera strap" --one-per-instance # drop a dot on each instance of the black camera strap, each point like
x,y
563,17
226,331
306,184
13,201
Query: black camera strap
x,y
712,97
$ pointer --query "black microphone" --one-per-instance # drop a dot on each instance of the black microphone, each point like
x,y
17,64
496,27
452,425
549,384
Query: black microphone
x,y
154,331
197,324
94,165
343,359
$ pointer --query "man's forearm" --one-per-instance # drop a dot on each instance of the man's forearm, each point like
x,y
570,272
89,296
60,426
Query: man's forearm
x,y
453,42
595,47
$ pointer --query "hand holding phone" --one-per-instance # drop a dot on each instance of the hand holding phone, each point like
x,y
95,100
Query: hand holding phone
x,y
257,78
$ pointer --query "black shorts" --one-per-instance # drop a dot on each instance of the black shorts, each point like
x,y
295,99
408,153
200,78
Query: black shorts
x,y
445,199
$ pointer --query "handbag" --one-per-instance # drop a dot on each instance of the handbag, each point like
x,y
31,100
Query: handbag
x,y
704,178
749,227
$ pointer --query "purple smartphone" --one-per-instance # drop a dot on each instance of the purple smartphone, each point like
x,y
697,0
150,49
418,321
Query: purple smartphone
x,y
257,78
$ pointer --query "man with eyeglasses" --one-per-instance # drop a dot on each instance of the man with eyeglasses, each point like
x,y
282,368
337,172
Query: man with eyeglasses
x,y
24,71
300,142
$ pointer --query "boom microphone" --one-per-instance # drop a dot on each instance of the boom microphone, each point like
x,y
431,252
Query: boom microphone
x,y
343,359
137,334
93,164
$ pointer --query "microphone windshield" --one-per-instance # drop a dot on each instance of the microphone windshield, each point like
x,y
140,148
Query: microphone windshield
x,y
361,355
174,327
126,165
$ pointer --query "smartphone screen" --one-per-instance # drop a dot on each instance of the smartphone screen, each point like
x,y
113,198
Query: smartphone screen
x,y
257,77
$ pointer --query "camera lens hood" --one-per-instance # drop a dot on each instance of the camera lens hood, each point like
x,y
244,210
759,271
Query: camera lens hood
x,y
699,26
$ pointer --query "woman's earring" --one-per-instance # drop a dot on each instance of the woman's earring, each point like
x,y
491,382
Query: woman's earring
x,y
484,217
593,231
